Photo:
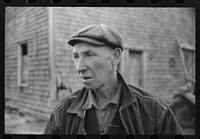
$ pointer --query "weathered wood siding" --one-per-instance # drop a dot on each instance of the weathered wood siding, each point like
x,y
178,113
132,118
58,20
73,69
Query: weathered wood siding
x,y
27,25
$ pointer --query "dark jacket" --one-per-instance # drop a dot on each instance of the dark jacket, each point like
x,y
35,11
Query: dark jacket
x,y
141,113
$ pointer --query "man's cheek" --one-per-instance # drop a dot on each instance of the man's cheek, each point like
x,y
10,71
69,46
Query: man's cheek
x,y
99,65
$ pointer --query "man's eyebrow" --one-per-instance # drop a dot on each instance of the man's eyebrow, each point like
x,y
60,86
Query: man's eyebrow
x,y
85,51
88,50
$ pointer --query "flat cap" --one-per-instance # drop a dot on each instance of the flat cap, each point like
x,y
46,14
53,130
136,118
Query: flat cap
x,y
99,34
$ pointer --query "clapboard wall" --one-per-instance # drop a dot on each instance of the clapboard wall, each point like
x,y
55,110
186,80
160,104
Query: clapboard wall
x,y
27,25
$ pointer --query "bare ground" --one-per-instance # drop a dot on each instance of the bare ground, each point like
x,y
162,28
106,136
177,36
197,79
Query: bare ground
x,y
17,124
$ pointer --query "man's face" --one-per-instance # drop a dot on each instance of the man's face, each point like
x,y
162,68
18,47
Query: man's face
x,y
94,64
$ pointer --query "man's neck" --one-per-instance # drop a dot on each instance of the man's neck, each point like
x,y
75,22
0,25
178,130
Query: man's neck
x,y
108,91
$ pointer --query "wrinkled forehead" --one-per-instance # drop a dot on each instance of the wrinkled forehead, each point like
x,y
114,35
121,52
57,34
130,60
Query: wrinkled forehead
x,y
83,46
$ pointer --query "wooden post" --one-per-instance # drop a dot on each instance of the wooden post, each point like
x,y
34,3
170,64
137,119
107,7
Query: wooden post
x,y
52,84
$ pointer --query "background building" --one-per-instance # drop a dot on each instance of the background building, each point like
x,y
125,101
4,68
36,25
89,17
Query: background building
x,y
38,61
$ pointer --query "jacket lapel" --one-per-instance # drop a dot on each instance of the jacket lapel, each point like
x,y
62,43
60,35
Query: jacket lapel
x,y
129,110
76,106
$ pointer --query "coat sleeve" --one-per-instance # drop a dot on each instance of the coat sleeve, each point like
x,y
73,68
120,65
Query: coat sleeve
x,y
51,127
168,124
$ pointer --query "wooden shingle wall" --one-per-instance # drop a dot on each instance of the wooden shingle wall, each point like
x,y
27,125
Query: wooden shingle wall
x,y
153,30
27,25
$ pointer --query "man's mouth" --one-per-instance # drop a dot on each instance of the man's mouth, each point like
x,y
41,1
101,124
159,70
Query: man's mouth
x,y
86,78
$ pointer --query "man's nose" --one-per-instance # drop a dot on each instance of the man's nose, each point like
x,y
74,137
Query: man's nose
x,y
81,66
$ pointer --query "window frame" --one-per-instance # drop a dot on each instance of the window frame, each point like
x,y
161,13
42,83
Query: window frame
x,y
20,83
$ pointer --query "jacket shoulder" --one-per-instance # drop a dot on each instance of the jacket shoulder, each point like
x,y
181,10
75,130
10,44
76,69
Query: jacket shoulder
x,y
143,94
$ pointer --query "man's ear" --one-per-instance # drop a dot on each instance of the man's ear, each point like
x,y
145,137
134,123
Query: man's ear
x,y
116,56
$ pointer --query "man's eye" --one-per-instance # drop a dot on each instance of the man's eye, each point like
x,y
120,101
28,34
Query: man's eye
x,y
89,54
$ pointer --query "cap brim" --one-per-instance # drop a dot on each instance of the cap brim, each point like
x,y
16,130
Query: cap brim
x,y
73,41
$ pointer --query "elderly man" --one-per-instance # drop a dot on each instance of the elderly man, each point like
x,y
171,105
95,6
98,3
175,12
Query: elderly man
x,y
107,104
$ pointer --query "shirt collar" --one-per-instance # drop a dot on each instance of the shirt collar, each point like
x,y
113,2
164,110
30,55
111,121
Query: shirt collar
x,y
91,99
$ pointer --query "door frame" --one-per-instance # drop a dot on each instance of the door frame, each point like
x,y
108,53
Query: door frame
x,y
125,59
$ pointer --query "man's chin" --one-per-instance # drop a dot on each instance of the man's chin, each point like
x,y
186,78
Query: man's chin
x,y
89,87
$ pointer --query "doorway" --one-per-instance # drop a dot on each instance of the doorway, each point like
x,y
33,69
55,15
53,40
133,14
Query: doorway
x,y
134,68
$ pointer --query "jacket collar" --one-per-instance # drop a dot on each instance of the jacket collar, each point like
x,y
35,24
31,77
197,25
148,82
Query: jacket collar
x,y
126,99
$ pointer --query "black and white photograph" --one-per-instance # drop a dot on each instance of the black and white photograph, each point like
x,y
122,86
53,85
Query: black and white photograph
x,y
100,70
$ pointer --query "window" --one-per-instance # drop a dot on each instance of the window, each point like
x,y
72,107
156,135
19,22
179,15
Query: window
x,y
23,65
135,67
189,61
187,53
